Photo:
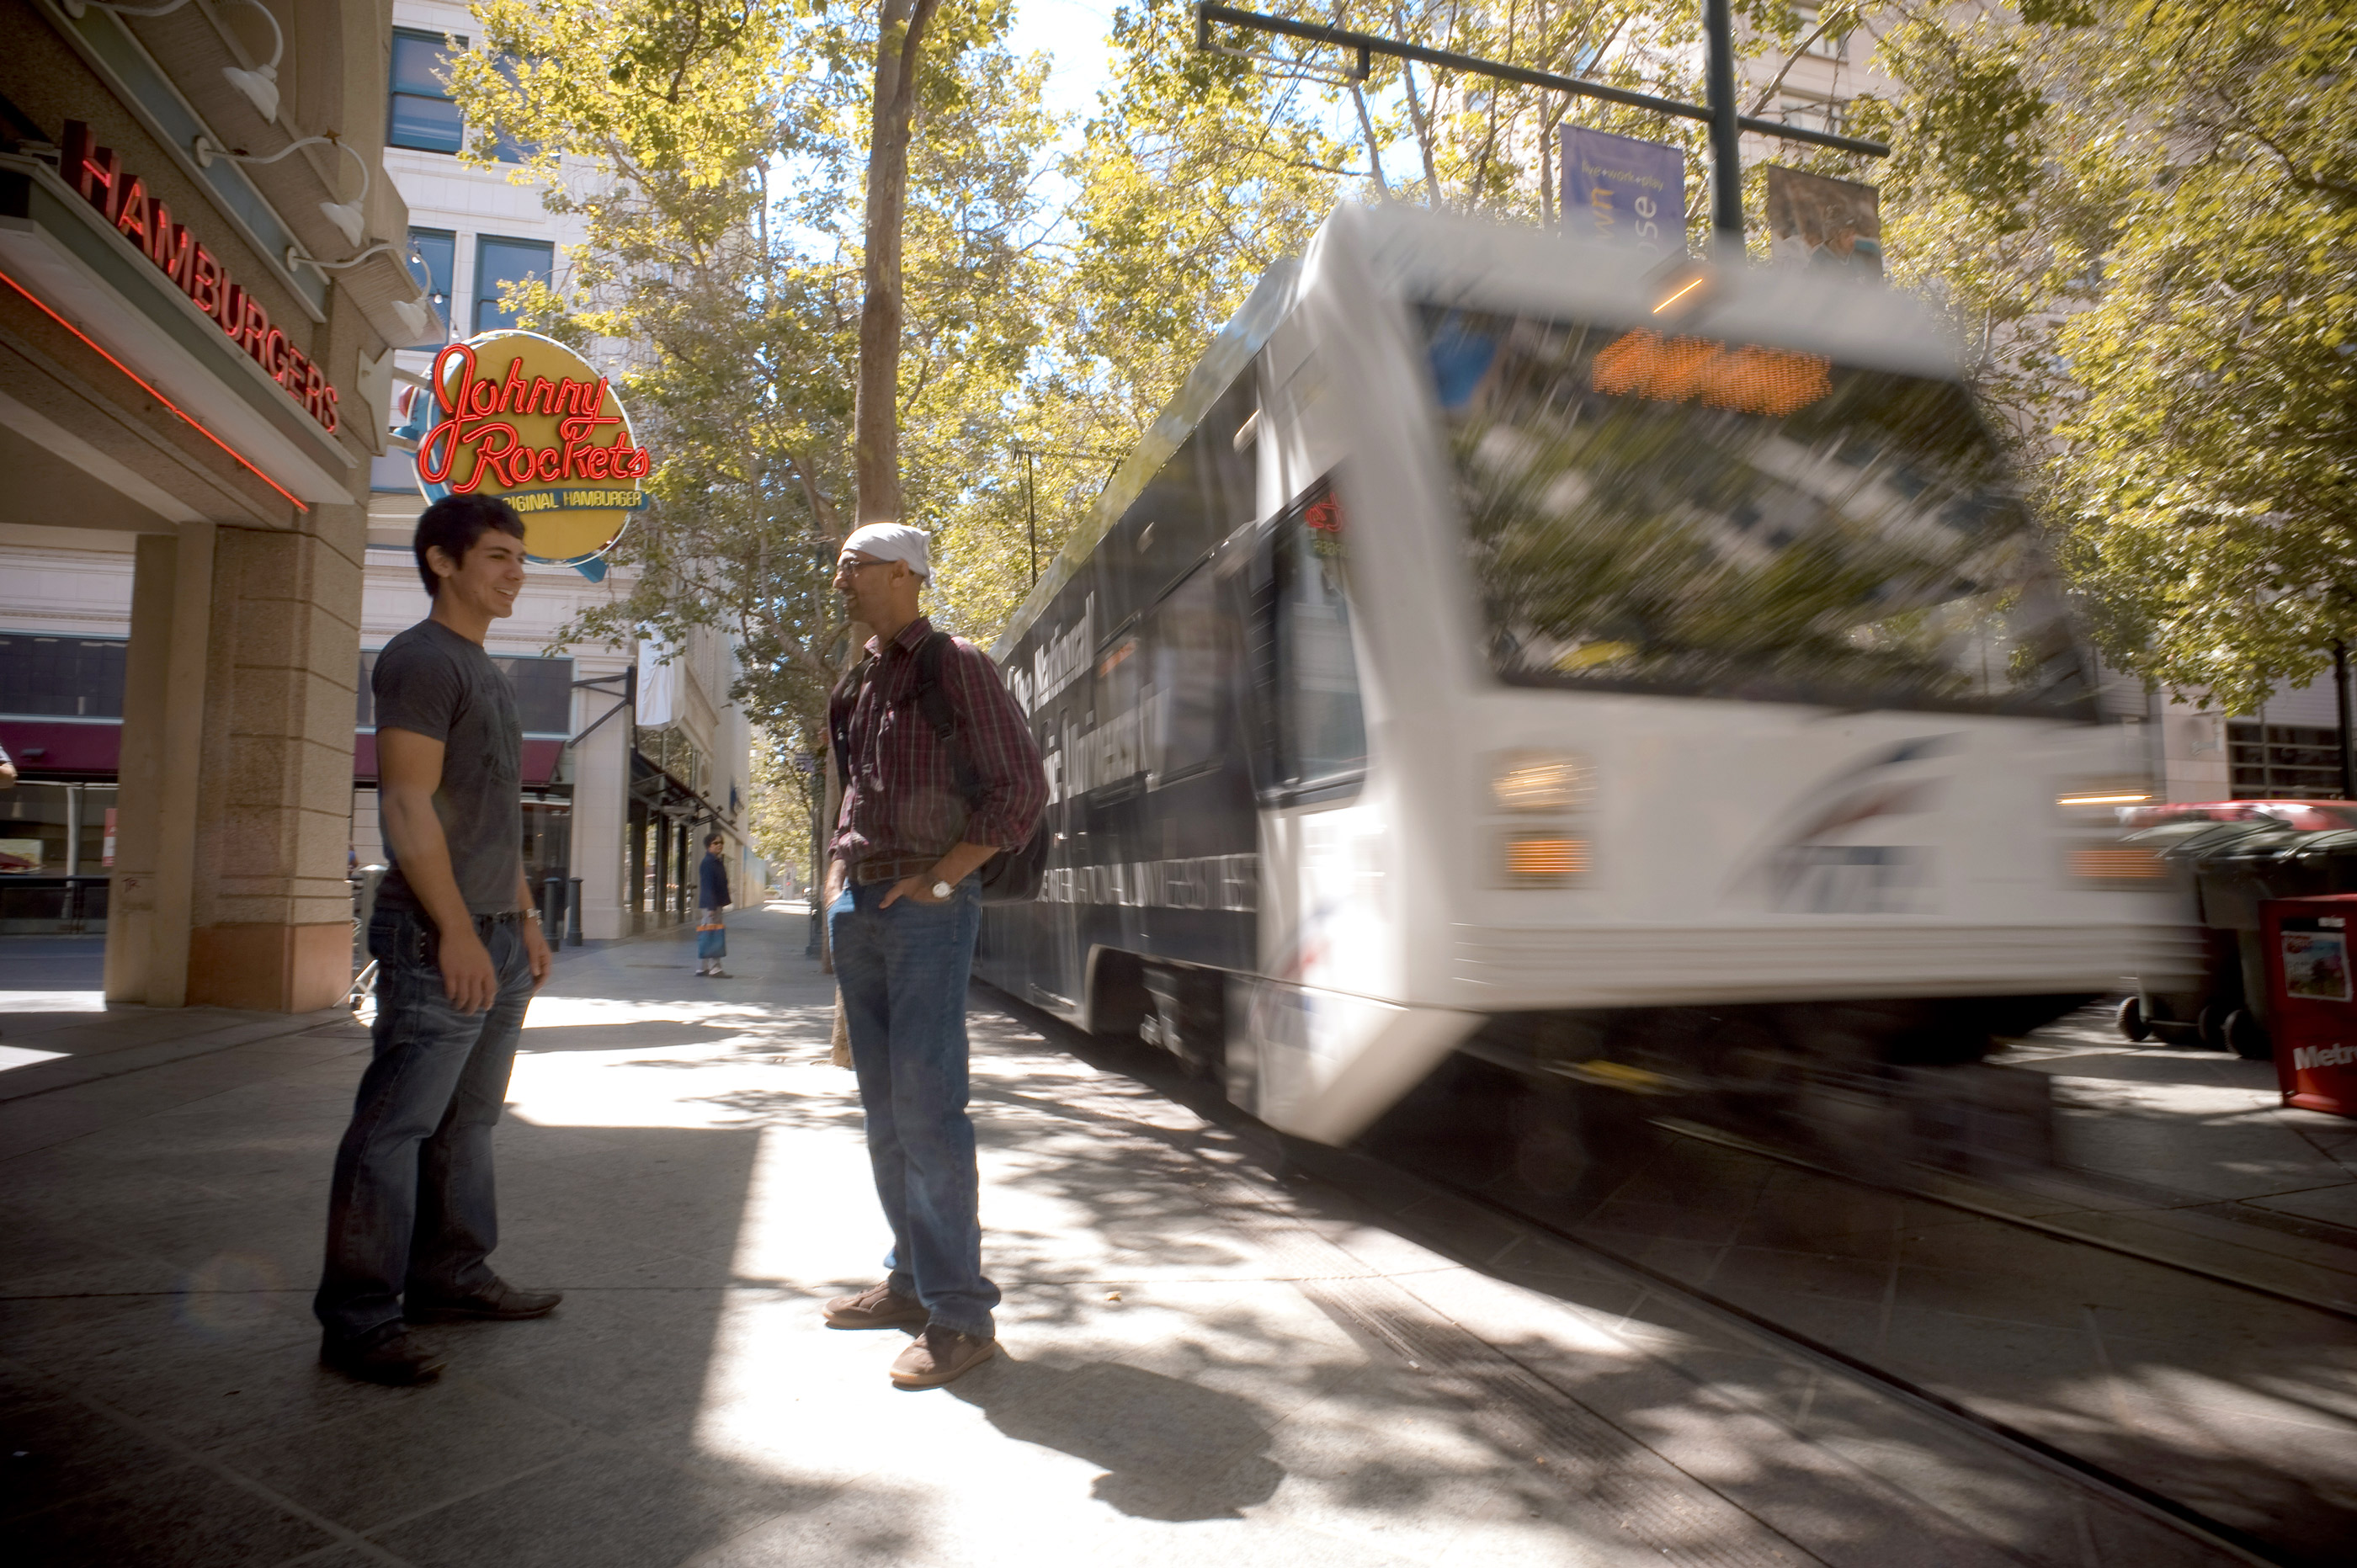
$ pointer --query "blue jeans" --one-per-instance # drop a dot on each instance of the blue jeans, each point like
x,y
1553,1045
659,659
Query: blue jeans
x,y
411,1207
903,973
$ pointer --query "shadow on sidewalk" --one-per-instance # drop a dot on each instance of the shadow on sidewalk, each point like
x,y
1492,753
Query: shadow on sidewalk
x,y
1171,1450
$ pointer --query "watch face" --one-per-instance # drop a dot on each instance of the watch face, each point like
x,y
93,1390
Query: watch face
x,y
942,889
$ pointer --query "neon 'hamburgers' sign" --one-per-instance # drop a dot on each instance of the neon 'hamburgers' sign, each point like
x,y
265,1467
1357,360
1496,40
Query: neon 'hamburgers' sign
x,y
522,417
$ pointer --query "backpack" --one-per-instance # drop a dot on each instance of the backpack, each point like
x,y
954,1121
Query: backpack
x,y
1011,876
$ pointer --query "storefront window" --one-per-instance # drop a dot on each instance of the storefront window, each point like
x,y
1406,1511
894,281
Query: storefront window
x,y
57,844
44,676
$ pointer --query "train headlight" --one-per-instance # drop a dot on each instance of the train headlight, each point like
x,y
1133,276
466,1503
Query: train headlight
x,y
1545,860
2102,796
1541,781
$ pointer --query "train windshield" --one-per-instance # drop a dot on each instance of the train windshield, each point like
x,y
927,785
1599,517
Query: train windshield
x,y
1651,512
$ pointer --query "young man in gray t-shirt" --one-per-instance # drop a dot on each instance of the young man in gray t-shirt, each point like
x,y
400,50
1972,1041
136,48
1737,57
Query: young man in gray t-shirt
x,y
411,1218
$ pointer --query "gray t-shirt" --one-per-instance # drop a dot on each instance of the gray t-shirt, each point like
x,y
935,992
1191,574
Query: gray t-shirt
x,y
432,681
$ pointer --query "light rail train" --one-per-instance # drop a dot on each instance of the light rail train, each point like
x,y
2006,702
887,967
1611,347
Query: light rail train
x,y
1506,644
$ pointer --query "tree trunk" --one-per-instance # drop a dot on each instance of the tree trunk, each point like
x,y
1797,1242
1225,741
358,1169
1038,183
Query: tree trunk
x,y
875,412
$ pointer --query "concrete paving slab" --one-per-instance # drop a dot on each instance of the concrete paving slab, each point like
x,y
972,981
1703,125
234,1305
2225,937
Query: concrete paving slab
x,y
1201,1362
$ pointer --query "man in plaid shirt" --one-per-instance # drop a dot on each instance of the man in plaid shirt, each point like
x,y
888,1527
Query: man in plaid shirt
x,y
903,908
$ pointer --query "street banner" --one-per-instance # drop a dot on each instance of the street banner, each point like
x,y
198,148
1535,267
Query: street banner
x,y
522,417
1624,190
1812,221
658,680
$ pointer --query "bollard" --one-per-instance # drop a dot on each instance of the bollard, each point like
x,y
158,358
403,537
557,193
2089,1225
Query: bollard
x,y
552,909
573,911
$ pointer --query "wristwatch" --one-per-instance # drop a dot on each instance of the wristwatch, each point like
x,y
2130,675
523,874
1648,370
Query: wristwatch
x,y
942,889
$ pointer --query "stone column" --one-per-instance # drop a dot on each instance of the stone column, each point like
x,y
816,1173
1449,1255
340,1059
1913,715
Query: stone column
x,y
272,915
153,888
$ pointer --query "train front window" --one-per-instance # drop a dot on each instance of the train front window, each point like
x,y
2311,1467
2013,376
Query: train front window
x,y
1683,515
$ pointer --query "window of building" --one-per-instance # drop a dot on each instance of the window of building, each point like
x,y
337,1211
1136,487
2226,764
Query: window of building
x,y
1828,45
1816,114
44,676
421,114
433,261
2284,762
504,147
500,263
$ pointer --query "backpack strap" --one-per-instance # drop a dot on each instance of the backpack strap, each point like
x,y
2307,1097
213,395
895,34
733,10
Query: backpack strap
x,y
839,704
932,699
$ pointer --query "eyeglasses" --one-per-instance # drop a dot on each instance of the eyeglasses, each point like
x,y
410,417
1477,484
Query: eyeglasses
x,y
842,566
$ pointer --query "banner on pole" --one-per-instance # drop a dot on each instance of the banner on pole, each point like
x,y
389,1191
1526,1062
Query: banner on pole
x,y
1621,189
1812,221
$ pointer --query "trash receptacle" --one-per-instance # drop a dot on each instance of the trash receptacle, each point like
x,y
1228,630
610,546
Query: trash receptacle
x,y
2194,1007
2313,1013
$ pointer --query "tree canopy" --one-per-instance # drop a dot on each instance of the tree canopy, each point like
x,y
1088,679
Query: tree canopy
x,y
2159,299
2144,214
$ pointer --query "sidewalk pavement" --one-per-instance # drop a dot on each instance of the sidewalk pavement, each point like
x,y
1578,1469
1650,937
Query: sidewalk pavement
x,y
1205,1358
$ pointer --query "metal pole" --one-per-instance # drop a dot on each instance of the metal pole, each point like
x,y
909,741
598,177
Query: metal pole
x,y
1031,500
2341,700
1726,147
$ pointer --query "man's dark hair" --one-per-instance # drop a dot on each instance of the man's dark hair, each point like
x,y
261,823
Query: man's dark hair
x,y
714,837
456,523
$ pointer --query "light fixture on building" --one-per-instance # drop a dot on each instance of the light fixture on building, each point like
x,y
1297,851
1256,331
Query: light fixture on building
x,y
416,317
350,217
258,85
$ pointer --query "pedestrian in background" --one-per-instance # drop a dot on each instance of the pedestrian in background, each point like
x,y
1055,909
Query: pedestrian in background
x,y
903,908
712,897
411,1217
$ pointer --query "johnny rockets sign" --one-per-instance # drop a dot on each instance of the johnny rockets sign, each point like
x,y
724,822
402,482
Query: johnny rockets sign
x,y
522,417
123,199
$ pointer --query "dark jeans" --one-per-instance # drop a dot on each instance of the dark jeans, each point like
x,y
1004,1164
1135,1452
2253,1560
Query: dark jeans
x,y
413,1206
903,973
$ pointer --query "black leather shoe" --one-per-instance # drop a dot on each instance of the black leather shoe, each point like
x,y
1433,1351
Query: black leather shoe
x,y
393,1359
498,1301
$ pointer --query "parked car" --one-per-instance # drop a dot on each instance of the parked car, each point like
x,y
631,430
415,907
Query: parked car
x,y
2306,816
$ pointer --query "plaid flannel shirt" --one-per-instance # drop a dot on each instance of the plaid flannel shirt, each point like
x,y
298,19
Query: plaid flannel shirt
x,y
902,798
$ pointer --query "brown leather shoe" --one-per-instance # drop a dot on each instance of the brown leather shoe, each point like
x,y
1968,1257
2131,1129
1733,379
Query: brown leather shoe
x,y
390,1357
939,1356
880,1307
498,1301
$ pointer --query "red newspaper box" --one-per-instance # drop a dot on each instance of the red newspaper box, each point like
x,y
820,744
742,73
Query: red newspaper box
x,y
2314,1018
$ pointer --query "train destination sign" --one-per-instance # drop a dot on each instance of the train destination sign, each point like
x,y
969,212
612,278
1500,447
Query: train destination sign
x,y
522,417
1745,377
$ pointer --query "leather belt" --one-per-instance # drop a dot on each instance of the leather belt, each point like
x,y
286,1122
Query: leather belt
x,y
505,917
892,868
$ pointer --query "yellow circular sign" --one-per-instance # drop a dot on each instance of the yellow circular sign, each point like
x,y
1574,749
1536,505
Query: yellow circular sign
x,y
522,417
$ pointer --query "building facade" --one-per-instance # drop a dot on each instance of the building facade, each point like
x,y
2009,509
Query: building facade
x,y
609,812
209,534
199,293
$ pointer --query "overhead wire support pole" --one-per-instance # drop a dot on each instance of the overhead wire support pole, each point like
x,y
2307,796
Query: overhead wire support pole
x,y
1031,487
1369,45
1726,133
